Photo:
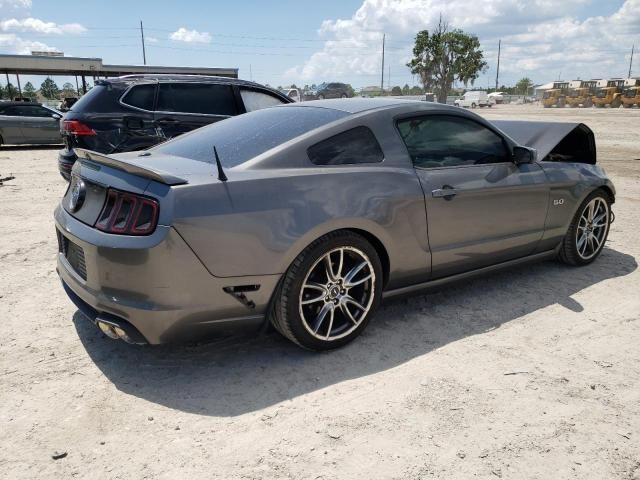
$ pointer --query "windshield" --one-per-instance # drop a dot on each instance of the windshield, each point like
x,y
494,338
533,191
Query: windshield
x,y
246,136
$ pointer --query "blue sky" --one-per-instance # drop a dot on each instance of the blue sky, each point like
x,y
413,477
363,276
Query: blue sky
x,y
310,42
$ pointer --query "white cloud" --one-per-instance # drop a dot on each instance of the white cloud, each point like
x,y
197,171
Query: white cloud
x,y
152,39
540,38
36,25
190,36
15,44
14,5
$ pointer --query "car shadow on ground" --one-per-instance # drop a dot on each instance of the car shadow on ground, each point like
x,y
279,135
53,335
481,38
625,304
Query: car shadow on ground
x,y
237,376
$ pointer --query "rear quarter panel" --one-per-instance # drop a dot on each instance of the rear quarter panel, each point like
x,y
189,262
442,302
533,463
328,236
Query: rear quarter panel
x,y
259,226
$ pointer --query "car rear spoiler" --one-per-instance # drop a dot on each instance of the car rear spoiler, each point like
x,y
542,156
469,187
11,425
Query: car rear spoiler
x,y
151,174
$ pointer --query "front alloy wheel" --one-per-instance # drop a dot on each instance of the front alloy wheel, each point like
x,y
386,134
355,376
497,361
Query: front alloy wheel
x,y
588,231
330,292
592,228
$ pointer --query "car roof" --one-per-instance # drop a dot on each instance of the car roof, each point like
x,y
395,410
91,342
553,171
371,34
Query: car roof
x,y
181,78
11,103
357,105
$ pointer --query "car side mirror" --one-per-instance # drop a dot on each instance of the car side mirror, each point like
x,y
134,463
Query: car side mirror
x,y
56,116
524,155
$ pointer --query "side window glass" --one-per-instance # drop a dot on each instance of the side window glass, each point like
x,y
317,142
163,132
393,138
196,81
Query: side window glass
x,y
208,99
141,96
37,111
442,141
10,111
357,145
254,100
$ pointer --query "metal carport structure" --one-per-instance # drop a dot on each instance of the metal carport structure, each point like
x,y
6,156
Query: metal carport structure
x,y
92,67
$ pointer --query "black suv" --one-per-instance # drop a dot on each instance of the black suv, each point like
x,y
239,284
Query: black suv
x,y
138,111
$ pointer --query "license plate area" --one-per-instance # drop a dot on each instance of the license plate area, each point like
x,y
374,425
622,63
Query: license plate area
x,y
73,253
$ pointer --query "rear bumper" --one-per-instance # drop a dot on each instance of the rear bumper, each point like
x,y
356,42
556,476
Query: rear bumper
x,y
161,291
66,159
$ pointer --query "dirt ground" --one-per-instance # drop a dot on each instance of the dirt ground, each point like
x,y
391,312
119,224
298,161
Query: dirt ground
x,y
533,373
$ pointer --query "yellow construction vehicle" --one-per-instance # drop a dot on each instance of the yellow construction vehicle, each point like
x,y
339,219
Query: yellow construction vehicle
x,y
610,95
556,96
631,94
581,96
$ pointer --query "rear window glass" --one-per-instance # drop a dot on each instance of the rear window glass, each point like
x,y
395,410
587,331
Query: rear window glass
x,y
101,98
209,99
357,145
244,137
141,96
254,100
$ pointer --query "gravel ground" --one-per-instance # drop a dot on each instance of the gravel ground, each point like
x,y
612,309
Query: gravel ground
x,y
529,373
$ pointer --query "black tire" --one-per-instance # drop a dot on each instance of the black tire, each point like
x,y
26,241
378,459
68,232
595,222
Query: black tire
x,y
344,95
473,105
286,315
569,253
320,97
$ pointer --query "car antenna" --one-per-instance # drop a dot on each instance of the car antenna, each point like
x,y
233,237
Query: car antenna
x,y
221,176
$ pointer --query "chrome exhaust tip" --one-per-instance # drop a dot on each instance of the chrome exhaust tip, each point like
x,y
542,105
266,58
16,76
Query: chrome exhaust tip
x,y
107,329
114,331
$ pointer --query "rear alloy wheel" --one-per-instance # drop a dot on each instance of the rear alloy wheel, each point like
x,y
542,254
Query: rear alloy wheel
x,y
344,95
320,97
330,292
588,231
473,105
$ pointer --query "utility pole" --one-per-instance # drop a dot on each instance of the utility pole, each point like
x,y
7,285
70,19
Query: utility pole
x,y
144,53
498,67
631,59
382,69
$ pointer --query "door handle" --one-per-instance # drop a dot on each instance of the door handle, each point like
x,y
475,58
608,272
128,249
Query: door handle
x,y
447,192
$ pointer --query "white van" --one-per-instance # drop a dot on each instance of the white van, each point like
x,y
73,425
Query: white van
x,y
475,98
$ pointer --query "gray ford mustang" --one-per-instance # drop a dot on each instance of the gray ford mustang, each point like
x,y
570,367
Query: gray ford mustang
x,y
306,215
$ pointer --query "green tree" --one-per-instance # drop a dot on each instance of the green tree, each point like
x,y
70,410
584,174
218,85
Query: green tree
x,y
29,91
68,90
445,55
49,89
396,90
10,92
523,85
350,91
406,90
415,90
293,85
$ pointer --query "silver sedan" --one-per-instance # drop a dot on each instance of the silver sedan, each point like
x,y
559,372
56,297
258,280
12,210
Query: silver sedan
x,y
24,123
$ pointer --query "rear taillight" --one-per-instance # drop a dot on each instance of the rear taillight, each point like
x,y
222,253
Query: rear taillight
x,y
74,127
128,214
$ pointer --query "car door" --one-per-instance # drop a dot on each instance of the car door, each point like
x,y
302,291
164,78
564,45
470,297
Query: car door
x,y
11,125
182,107
138,128
39,125
482,208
